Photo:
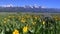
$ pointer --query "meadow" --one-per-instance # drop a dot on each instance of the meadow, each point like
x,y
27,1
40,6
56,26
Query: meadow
x,y
29,23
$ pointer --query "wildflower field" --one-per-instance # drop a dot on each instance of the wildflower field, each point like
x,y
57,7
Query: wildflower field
x,y
29,24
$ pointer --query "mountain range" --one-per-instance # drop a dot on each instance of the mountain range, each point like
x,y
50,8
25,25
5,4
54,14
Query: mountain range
x,y
29,9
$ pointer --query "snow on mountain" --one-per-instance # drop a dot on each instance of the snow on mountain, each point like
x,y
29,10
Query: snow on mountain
x,y
8,5
29,6
43,7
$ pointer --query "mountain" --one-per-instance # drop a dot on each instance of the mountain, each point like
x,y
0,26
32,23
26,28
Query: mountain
x,y
29,9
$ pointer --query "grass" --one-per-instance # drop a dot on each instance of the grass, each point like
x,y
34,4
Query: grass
x,y
29,23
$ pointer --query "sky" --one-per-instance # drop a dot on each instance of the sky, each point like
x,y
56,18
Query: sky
x,y
46,3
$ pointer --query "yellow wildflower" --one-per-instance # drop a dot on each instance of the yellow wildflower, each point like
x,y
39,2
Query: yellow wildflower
x,y
23,20
9,16
43,22
16,32
4,21
27,16
8,19
35,17
25,29
5,18
56,19
33,23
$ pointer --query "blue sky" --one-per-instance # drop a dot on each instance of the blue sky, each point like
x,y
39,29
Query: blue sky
x,y
47,3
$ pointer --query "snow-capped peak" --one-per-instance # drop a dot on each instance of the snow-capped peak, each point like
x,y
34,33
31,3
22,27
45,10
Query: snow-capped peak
x,y
43,7
10,5
28,6
36,6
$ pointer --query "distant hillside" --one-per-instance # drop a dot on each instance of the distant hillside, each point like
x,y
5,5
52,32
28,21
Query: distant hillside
x,y
29,9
